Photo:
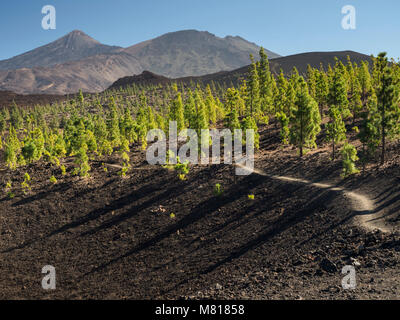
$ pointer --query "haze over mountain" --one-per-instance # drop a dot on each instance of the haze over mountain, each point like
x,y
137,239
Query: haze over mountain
x,y
77,61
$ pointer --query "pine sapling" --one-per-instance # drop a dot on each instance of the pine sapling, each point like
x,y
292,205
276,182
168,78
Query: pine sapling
x,y
349,156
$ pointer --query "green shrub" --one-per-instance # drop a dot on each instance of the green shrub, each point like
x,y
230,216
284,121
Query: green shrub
x,y
53,180
349,156
218,190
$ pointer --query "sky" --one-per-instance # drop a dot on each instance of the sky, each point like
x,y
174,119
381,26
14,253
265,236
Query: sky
x,y
283,26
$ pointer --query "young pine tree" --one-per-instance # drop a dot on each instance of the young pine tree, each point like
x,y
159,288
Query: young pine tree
x,y
338,91
349,156
177,112
387,95
305,120
335,129
250,124
253,89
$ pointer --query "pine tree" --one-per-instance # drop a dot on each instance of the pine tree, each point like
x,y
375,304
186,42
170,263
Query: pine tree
x,y
253,89
284,122
294,79
2,122
211,106
305,120
281,99
128,126
101,134
264,75
113,125
369,134
335,129
33,146
364,79
81,99
321,89
349,156
387,101
355,99
338,91
142,123
312,82
201,116
82,160
151,124
232,121
250,124
16,118
176,112
190,111
12,148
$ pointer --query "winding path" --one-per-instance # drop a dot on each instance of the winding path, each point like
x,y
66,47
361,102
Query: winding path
x,y
360,203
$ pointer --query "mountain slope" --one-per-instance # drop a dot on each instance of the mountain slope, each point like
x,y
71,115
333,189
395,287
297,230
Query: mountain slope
x,y
76,45
193,53
92,74
300,61
77,61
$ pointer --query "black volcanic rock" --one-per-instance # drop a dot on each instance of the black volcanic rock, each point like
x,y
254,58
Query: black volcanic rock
x,y
145,78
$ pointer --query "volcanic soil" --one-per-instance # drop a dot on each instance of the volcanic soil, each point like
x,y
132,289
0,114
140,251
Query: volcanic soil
x,y
152,236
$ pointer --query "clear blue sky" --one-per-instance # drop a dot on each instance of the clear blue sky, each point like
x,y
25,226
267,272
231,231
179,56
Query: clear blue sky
x,y
284,26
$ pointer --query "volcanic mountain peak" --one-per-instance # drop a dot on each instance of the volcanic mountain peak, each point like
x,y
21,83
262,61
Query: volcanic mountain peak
x,y
76,45
76,39
193,53
77,61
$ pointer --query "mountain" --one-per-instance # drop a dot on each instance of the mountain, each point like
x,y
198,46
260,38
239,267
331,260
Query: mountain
x,y
77,61
300,61
193,53
76,45
92,74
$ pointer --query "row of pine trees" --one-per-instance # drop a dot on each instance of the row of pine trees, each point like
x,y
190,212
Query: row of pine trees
x,y
344,100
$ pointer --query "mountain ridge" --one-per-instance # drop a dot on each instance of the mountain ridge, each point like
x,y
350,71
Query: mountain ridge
x,y
300,61
77,61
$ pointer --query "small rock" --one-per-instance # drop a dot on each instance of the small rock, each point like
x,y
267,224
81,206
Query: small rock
x,y
328,266
355,262
218,286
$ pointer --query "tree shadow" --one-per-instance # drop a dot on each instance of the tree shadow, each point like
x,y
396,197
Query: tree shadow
x,y
97,213
281,225
196,214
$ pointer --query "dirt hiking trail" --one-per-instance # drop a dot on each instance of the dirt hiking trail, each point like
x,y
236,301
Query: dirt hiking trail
x,y
361,204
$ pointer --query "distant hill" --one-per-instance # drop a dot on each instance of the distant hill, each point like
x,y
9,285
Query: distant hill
x,y
77,61
300,61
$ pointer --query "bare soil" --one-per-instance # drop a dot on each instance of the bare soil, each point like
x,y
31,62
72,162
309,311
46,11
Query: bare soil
x,y
113,238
